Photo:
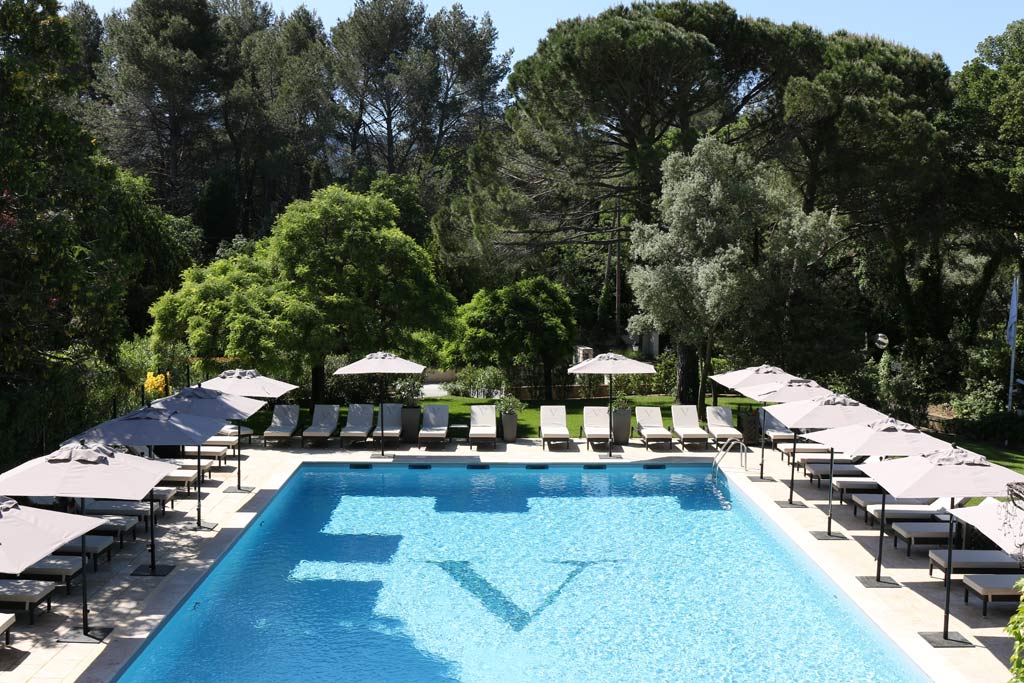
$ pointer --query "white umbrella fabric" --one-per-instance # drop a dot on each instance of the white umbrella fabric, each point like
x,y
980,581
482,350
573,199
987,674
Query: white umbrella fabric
x,y
950,473
381,363
90,471
753,376
999,522
248,383
881,438
149,426
29,534
820,412
207,402
611,364
780,390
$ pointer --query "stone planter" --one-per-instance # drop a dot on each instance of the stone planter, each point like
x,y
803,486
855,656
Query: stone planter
x,y
410,424
509,426
622,419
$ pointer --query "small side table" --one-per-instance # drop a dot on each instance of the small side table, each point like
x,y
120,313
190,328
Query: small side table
x,y
459,431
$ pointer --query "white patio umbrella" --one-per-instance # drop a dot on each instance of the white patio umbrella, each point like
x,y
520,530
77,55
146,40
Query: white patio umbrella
x,y
28,534
999,522
207,402
881,438
950,473
148,426
780,390
821,412
248,383
381,363
90,471
611,364
753,376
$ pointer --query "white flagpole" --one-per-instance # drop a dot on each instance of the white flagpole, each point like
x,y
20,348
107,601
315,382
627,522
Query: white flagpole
x,y
1011,338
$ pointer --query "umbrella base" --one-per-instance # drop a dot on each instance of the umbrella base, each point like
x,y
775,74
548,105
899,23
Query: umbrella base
x,y
758,480
826,536
204,527
95,636
159,570
787,504
239,489
935,639
886,582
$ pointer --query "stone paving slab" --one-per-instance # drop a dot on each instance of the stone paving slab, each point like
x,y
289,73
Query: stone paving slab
x,y
135,606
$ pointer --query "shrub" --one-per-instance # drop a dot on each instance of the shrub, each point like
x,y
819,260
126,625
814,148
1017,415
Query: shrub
x,y
508,404
474,382
980,400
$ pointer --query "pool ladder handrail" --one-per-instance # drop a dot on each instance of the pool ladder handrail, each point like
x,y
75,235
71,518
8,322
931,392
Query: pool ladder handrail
x,y
726,450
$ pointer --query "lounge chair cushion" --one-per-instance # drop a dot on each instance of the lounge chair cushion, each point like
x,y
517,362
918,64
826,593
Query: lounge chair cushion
x,y
482,423
552,423
13,591
325,421
973,559
93,545
284,422
993,585
53,565
392,422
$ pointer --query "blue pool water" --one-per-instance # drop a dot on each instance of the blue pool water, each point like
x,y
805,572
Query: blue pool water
x,y
514,574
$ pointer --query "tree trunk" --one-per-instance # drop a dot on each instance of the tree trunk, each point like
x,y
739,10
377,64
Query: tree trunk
x,y
548,396
318,381
704,363
686,374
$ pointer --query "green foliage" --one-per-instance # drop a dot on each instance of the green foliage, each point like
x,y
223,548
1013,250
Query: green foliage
x,y
1016,629
507,404
979,400
902,387
529,322
485,382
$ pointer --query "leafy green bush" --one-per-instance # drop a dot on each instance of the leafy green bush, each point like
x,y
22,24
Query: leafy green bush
x,y
1016,629
508,404
980,400
474,382
589,385
902,387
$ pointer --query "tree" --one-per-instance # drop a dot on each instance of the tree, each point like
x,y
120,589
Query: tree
x,y
335,276
734,238
526,322
157,74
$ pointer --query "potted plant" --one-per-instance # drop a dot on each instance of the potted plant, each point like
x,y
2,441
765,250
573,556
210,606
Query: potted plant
x,y
509,407
407,391
622,420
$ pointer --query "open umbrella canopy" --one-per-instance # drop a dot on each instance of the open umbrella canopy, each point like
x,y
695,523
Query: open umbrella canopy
x,y
612,364
788,390
949,473
753,376
149,426
248,383
885,437
28,534
822,412
208,402
1002,523
86,471
381,363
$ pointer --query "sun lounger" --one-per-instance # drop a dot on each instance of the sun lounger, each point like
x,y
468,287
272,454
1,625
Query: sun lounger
x,y
26,594
283,424
325,423
240,431
904,512
6,622
919,532
55,568
435,425
553,426
595,425
862,500
651,427
204,466
162,495
94,547
852,484
805,459
992,587
358,425
776,436
786,448
819,470
686,426
132,508
117,526
209,453
179,477
720,424
974,561
392,421
483,425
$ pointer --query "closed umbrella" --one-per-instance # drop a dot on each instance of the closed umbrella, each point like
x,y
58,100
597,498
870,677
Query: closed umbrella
x,y
382,364
950,473
778,389
90,471
753,376
249,383
611,364
207,402
881,438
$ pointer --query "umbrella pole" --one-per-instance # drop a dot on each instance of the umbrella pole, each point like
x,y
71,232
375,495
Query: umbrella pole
x,y
85,588
152,535
831,465
763,415
380,421
881,539
949,570
611,379
88,636
238,455
792,469
199,485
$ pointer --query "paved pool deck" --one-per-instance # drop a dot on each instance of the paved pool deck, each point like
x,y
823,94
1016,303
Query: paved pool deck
x,y
135,606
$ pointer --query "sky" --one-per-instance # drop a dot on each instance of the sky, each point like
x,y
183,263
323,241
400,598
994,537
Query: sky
x,y
952,28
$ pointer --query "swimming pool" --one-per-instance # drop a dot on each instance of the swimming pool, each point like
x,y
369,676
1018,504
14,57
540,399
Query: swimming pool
x,y
515,574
